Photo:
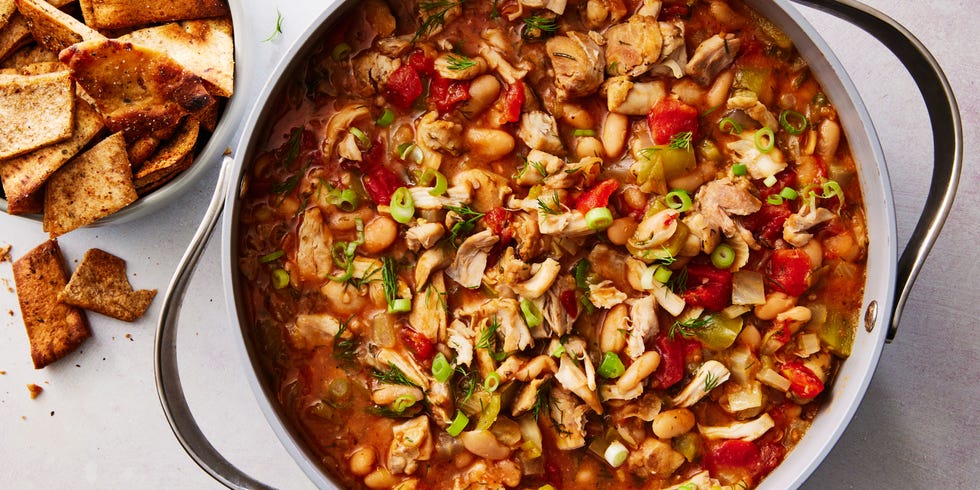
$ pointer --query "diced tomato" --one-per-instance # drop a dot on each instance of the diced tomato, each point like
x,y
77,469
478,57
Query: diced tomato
x,y
513,100
802,382
789,271
423,348
673,353
496,220
733,453
767,222
403,87
380,183
446,93
597,196
422,64
569,302
708,287
770,455
675,8
669,117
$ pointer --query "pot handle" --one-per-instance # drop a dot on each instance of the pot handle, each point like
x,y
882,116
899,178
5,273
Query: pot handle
x,y
947,132
165,361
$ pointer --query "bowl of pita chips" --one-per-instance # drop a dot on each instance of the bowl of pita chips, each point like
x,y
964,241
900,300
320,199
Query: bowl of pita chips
x,y
110,109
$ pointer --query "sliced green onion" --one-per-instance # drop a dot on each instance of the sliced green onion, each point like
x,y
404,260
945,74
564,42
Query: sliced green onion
x,y
441,369
400,305
616,454
361,137
770,181
280,278
830,189
599,218
775,199
492,382
402,403
729,125
584,132
339,388
723,256
765,139
387,117
340,51
662,274
786,119
459,423
532,315
441,183
402,205
559,351
740,169
789,193
679,200
345,199
269,257
611,366
410,151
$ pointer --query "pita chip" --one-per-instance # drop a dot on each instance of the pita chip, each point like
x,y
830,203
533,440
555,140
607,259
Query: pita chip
x,y
16,32
24,176
53,28
53,328
29,54
114,14
7,9
203,47
99,284
138,90
91,186
35,111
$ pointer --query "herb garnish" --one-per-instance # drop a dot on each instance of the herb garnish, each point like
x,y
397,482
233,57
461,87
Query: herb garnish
x,y
277,32
681,141
436,11
687,327
460,62
344,349
711,381
537,26
389,279
463,228
393,376
554,207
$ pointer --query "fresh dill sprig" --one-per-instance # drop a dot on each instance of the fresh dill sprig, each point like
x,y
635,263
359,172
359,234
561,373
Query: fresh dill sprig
x,y
391,413
711,381
543,400
393,376
554,207
466,384
389,279
539,167
687,327
463,228
344,349
678,281
538,26
460,62
436,18
277,32
681,141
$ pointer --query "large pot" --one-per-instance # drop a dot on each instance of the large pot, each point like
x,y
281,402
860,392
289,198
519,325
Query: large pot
x,y
887,287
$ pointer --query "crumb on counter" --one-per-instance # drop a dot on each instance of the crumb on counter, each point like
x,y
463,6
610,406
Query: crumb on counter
x,y
35,390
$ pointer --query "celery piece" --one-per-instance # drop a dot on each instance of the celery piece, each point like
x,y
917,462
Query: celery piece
x,y
838,335
720,332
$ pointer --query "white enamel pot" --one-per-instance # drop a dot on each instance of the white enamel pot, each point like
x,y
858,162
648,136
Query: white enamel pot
x,y
888,281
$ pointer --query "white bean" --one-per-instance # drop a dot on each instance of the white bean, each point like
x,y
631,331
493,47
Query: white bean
x,y
589,147
577,117
672,423
775,304
483,92
491,144
611,338
380,478
362,460
829,138
642,367
379,234
614,134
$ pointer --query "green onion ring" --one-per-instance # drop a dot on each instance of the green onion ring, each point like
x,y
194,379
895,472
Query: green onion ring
x,y
492,382
678,199
739,169
387,117
402,205
765,140
733,127
599,218
441,369
584,132
441,183
785,121
269,257
280,278
532,315
723,256
340,51
611,366
775,199
459,423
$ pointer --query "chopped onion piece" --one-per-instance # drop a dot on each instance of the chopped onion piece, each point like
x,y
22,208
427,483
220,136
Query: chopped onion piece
x,y
773,379
671,302
809,343
748,288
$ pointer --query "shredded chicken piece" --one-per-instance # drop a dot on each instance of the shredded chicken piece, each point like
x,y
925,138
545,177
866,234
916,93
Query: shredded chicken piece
x,y
709,376
643,325
440,135
544,276
431,260
605,295
673,56
412,443
488,188
758,164
461,338
471,259
569,417
746,431
313,256
720,199
428,315
539,131
423,235
654,458
457,195
528,396
711,57
406,364
634,46
795,227
494,50
578,62
372,70
313,330
339,123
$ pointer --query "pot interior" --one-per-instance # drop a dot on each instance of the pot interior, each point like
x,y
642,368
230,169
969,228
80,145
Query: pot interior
x,y
855,373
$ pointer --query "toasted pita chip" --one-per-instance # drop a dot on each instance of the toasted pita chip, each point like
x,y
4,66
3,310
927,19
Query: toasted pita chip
x,y
137,89
92,185
39,68
113,14
53,328
140,151
203,47
156,180
99,284
170,155
35,111
16,33
53,28
28,54
24,176
7,9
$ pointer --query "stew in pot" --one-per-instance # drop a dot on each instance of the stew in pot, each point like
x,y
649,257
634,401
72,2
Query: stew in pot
x,y
550,244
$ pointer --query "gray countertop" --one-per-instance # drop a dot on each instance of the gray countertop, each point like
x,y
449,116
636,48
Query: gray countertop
x,y
98,423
